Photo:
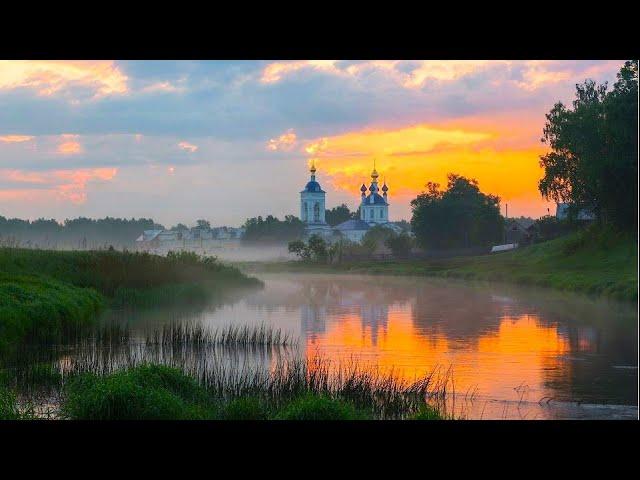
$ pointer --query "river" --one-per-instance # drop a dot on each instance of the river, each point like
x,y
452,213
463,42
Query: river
x,y
508,352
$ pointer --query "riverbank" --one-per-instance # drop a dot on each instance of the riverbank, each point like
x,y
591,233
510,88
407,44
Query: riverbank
x,y
165,380
589,262
295,389
44,293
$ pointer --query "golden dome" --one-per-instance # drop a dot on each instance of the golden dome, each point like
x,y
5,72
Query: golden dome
x,y
374,174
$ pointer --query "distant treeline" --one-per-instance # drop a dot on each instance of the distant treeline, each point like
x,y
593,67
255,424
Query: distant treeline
x,y
82,233
273,230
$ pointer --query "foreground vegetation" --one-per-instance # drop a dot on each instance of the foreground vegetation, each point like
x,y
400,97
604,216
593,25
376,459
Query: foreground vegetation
x,y
295,390
33,307
154,392
45,292
594,262
184,371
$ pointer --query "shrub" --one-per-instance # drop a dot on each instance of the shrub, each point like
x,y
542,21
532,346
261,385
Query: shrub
x,y
147,392
8,405
400,245
245,409
312,407
426,412
39,308
318,248
300,249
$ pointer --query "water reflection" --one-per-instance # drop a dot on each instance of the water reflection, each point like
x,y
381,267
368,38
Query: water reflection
x,y
512,353
503,343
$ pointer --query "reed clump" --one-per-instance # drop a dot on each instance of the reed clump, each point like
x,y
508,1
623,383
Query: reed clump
x,y
160,392
234,390
187,371
190,335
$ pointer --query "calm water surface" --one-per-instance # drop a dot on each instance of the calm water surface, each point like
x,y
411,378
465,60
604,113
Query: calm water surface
x,y
510,352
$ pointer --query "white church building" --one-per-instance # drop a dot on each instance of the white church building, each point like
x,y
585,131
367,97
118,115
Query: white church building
x,y
374,210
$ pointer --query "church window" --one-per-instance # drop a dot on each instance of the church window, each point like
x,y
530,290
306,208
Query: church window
x,y
371,214
316,212
381,214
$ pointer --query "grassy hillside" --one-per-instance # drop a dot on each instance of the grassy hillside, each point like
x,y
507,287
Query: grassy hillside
x,y
591,262
38,307
43,292
109,271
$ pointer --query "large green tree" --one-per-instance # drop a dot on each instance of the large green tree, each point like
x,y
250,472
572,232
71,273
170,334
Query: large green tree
x,y
339,214
460,216
593,162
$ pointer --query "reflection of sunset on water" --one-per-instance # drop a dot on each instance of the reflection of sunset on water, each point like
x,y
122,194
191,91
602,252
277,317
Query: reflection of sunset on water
x,y
532,349
508,347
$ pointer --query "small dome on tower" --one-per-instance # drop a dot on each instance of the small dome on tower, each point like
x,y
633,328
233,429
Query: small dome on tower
x,y
313,186
374,173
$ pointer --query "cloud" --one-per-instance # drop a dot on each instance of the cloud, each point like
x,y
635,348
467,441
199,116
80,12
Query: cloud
x,y
316,146
286,141
238,119
409,74
274,72
69,145
166,87
408,157
250,100
415,74
188,146
49,77
67,185
15,138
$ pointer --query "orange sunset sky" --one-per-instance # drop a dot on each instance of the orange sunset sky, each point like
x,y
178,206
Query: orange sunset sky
x,y
225,140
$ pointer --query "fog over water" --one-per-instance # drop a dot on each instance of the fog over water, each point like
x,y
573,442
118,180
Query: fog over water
x,y
510,352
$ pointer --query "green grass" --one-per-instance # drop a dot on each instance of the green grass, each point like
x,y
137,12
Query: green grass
x,y
148,392
36,307
155,392
44,293
247,408
426,412
292,390
12,409
8,405
319,407
592,262
190,293
109,271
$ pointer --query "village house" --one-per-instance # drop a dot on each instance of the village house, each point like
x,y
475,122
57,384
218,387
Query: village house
x,y
204,240
584,214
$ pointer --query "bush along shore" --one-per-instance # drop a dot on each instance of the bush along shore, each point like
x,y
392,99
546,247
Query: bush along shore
x,y
183,372
594,262
45,292
296,390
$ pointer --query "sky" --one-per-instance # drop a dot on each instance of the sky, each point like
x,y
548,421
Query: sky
x,y
178,141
